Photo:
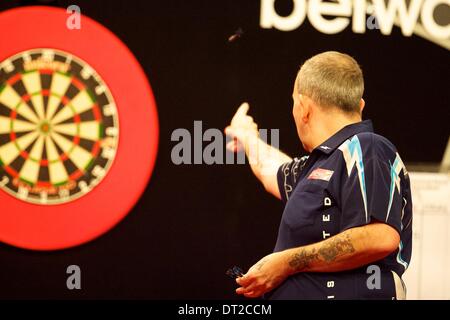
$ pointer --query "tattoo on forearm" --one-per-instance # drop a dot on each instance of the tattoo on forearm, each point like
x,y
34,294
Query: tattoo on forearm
x,y
301,259
336,246
328,251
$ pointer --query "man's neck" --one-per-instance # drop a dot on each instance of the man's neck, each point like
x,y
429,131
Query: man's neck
x,y
330,125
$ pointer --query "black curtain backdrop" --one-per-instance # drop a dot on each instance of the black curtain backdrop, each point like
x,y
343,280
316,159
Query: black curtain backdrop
x,y
195,221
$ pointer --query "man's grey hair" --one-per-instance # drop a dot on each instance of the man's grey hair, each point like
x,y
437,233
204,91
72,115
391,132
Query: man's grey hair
x,y
332,79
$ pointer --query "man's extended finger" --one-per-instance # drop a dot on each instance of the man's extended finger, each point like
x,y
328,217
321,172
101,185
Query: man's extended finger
x,y
240,290
245,280
252,294
229,131
233,146
242,110
254,286
249,294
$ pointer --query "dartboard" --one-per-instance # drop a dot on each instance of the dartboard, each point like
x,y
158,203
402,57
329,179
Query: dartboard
x,y
78,129
58,126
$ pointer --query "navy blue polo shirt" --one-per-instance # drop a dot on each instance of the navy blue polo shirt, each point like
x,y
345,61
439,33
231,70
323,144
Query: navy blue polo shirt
x,y
352,179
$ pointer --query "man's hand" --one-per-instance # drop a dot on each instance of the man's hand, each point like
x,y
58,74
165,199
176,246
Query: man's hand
x,y
263,158
241,128
264,276
347,250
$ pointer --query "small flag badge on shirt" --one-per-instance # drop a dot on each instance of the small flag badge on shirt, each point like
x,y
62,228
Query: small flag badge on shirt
x,y
321,174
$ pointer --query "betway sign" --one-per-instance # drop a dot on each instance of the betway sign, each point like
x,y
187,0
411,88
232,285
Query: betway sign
x,y
341,13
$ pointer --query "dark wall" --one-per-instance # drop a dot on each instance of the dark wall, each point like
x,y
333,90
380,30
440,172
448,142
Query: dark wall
x,y
195,221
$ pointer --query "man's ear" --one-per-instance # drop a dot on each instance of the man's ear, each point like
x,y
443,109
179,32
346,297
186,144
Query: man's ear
x,y
362,103
306,108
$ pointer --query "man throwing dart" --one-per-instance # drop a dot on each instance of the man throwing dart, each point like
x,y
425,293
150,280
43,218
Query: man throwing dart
x,y
346,229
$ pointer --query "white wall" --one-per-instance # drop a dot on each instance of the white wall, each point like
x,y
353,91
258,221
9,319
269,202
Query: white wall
x,y
428,276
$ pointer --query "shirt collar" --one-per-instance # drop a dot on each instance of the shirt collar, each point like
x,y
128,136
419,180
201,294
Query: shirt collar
x,y
346,132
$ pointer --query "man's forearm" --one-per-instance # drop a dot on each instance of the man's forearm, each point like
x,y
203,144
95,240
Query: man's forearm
x,y
264,161
350,249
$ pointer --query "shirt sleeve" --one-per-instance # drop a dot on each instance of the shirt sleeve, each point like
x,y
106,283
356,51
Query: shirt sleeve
x,y
287,176
372,192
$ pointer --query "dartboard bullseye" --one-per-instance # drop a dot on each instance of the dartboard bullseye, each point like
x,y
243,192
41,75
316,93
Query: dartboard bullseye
x,y
58,127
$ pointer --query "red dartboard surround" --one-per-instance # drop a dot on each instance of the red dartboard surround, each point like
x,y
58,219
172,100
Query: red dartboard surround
x,y
116,80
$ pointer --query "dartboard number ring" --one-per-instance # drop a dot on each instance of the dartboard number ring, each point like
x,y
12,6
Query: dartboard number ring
x,y
59,127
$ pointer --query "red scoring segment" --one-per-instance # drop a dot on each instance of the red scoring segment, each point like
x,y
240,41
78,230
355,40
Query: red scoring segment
x,y
14,79
77,84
